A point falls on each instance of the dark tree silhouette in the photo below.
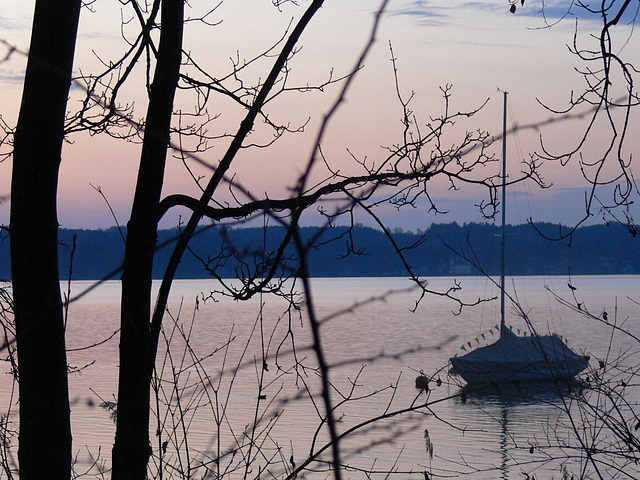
(131, 449)
(45, 431)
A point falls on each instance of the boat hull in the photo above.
(501, 372)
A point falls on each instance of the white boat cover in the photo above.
(513, 358)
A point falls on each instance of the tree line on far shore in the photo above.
(443, 249)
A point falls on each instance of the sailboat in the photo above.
(513, 358)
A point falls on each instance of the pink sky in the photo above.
(477, 47)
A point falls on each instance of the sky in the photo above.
(477, 47)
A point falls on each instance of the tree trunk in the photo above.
(45, 433)
(131, 449)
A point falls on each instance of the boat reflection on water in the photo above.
(510, 417)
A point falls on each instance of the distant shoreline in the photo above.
(439, 251)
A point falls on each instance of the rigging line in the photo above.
(488, 283)
(552, 307)
(526, 186)
(483, 283)
(515, 172)
(514, 197)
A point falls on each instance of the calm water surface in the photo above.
(373, 341)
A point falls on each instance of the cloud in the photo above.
(424, 12)
(443, 9)
(442, 13)
(548, 14)
(555, 11)
(16, 17)
(11, 79)
(10, 24)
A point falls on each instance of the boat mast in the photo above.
(503, 326)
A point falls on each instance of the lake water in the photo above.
(220, 411)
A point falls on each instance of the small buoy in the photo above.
(422, 382)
